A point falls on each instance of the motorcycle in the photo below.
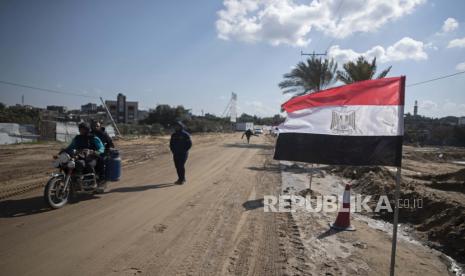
(71, 180)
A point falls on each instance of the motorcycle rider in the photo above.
(92, 147)
(180, 143)
(100, 132)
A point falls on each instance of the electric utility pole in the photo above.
(313, 54)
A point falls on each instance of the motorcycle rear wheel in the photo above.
(54, 193)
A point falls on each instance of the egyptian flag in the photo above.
(356, 124)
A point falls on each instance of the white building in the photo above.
(461, 121)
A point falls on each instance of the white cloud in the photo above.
(459, 43)
(404, 49)
(451, 108)
(428, 105)
(460, 66)
(430, 45)
(288, 22)
(449, 25)
(447, 107)
(260, 109)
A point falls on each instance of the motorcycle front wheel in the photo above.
(54, 194)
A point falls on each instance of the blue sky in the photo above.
(195, 53)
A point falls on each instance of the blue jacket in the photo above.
(86, 142)
(180, 142)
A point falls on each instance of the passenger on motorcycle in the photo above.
(100, 132)
(90, 148)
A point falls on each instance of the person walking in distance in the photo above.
(247, 134)
(180, 144)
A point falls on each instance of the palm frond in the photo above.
(360, 70)
(384, 73)
(312, 75)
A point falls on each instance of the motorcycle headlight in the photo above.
(71, 164)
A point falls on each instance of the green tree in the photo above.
(19, 115)
(360, 70)
(310, 76)
(166, 115)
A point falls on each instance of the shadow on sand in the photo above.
(249, 146)
(32, 205)
(328, 233)
(269, 168)
(253, 204)
(141, 188)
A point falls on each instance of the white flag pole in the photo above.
(395, 222)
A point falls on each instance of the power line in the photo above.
(47, 90)
(435, 79)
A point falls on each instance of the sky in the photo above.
(195, 53)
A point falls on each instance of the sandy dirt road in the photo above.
(145, 225)
(213, 225)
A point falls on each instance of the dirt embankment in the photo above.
(432, 195)
(25, 167)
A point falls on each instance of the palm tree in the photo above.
(310, 76)
(359, 71)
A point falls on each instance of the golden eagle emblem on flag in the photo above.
(343, 122)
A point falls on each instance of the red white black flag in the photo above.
(356, 124)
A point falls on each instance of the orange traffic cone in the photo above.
(343, 217)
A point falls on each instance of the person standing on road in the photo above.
(180, 143)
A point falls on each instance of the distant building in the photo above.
(26, 106)
(415, 109)
(461, 121)
(57, 108)
(142, 114)
(89, 108)
(94, 116)
(123, 111)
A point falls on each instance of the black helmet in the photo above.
(84, 125)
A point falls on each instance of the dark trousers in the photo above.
(179, 162)
(100, 167)
(86, 166)
(92, 165)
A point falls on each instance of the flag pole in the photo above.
(397, 191)
(310, 177)
(396, 221)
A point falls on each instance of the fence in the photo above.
(11, 133)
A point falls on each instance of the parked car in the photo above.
(258, 131)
